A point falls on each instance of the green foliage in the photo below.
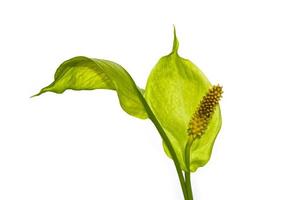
(82, 73)
(174, 89)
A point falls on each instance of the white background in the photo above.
(81, 145)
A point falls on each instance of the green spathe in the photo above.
(174, 89)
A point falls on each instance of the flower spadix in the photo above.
(174, 89)
(201, 118)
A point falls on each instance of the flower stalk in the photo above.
(188, 173)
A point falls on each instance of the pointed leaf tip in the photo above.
(37, 94)
(175, 42)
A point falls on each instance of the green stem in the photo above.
(188, 173)
(174, 157)
(188, 185)
(167, 143)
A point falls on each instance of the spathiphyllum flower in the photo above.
(178, 99)
(174, 90)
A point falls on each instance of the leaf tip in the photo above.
(175, 41)
(35, 95)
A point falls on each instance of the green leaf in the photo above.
(82, 73)
(174, 89)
